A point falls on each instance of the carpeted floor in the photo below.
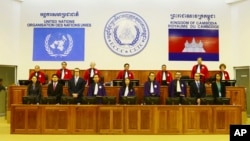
(6, 136)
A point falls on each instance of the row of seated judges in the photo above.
(96, 92)
(163, 76)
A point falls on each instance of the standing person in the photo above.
(201, 69)
(224, 74)
(151, 87)
(96, 88)
(76, 86)
(125, 73)
(218, 88)
(34, 89)
(197, 88)
(89, 73)
(39, 74)
(64, 73)
(163, 76)
(177, 88)
(55, 89)
(127, 88)
(1, 85)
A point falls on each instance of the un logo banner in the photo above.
(239, 132)
(58, 44)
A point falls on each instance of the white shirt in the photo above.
(126, 91)
(151, 87)
(178, 87)
(96, 89)
(164, 75)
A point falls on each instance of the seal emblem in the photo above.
(58, 44)
(126, 34)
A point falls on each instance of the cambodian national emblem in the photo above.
(58, 45)
(126, 34)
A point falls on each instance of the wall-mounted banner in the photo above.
(58, 44)
(126, 34)
(189, 44)
(192, 36)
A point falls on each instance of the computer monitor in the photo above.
(173, 101)
(150, 100)
(64, 82)
(129, 100)
(28, 100)
(190, 101)
(67, 100)
(222, 101)
(24, 82)
(49, 100)
(89, 100)
(109, 100)
(135, 82)
(188, 81)
(229, 82)
(207, 101)
(117, 82)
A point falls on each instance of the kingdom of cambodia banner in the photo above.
(58, 44)
(189, 44)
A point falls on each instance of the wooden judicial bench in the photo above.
(123, 119)
(236, 94)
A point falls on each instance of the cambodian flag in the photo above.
(189, 44)
(58, 44)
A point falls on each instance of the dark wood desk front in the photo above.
(237, 94)
(123, 119)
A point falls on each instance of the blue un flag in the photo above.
(58, 44)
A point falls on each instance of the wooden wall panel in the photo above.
(139, 119)
(223, 117)
(169, 120)
(110, 119)
(57, 119)
(26, 119)
(197, 120)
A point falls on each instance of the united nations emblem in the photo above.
(126, 34)
(58, 45)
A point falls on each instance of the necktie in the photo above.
(76, 79)
(62, 75)
(151, 88)
(91, 72)
(96, 89)
(178, 87)
(164, 75)
(126, 91)
(54, 86)
(198, 86)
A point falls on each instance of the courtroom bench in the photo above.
(123, 119)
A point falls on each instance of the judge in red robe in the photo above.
(126, 73)
(89, 73)
(223, 73)
(201, 69)
(164, 77)
(64, 73)
(39, 75)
